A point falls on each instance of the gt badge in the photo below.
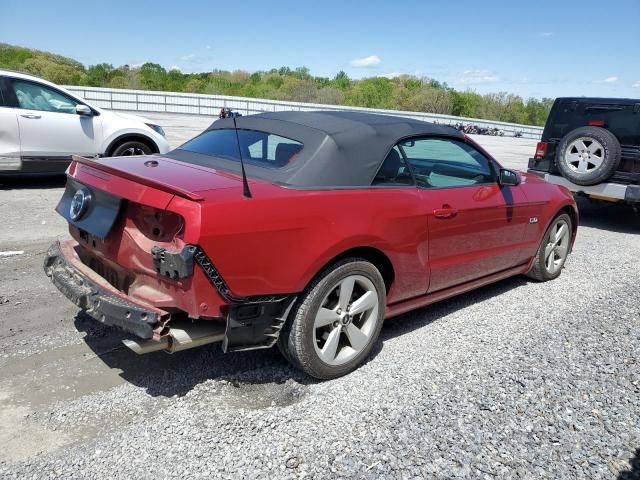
(533, 220)
(80, 203)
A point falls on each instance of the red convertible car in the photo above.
(301, 229)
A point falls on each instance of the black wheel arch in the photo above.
(128, 137)
(573, 215)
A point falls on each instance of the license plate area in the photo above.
(98, 210)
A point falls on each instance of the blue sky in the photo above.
(542, 48)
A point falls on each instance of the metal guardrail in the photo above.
(210, 105)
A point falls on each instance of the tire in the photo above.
(308, 336)
(588, 155)
(541, 269)
(131, 147)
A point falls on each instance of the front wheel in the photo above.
(336, 321)
(132, 147)
(553, 251)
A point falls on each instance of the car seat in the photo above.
(285, 153)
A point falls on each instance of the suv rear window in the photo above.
(260, 148)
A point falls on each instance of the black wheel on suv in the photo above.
(588, 155)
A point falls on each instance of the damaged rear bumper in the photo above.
(96, 296)
(251, 322)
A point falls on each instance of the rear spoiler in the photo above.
(94, 163)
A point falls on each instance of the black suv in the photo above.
(592, 147)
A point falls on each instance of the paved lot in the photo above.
(518, 379)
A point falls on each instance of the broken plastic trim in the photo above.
(173, 264)
(252, 326)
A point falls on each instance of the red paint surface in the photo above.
(439, 241)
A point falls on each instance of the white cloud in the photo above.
(636, 85)
(393, 74)
(610, 80)
(175, 67)
(545, 34)
(208, 47)
(474, 77)
(366, 62)
(188, 58)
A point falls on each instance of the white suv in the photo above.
(42, 125)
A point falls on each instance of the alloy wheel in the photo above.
(557, 248)
(584, 155)
(132, 151)
(346, 320)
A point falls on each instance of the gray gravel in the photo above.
(516, 380)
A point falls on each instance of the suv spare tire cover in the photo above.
(588, 155)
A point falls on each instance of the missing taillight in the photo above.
(158, 225)
(541, 150)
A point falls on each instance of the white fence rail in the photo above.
(198, 104)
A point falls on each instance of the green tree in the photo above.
(99, 75)
(372, 92)
(174, 81)
(342, 81)
(404, 92)
(465, 104)
(152, 76)
(195, 85)
(118, 82)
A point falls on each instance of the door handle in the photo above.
(30, 115)
(445, 212)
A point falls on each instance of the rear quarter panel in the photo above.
(277, 241)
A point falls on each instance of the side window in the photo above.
(33, 96)
(444, 162)
(394, 170)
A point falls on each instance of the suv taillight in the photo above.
(541, 150)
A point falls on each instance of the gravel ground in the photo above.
(516, 380)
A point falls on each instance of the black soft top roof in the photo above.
(341, 149)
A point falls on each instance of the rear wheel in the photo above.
(131, 147)
(336, 321)
(553, 251)
(588, 155)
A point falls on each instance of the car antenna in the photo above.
(245, 184)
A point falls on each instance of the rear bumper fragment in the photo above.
(252, 322)
(96, 296)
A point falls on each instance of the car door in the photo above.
(476, 227)
(9, 133)
(50, 129)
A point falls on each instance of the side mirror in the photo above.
(84, 110)
(509, 177)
